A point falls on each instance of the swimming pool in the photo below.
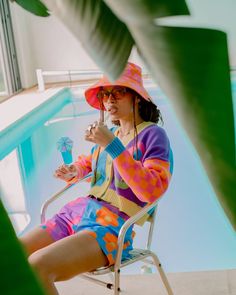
(192, 232)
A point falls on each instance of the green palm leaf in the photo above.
(142, 11)
(106, 39)
(34, 6)
(192, 67)
(16, 275)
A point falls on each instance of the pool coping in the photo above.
(18, 131)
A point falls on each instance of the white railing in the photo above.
(93, 74)
(83, 75)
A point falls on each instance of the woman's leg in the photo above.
(66, 258)
(36, 239)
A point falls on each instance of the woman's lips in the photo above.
(112, 110)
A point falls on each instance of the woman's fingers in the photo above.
(66, 177)
(63, 168)
(98, 133)
(61, 171)
(89, 138)
(94, 125)
(65, 172)
(91, 127)
(57, 174)
(72, 168)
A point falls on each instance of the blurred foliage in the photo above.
(190, 64)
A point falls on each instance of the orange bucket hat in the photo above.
(130, 78)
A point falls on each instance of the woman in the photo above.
(131, 166)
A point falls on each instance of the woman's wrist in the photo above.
(115, 148)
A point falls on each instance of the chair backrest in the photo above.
(151, 220)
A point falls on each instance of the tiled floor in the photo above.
(191, 283)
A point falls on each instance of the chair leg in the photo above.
(162, 274)
(117, 282)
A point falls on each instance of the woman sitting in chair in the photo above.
(131, 166)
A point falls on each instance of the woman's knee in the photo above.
(39, 262)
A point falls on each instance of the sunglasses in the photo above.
(116, 93)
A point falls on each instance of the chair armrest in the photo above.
(129, 222)
(70, 184)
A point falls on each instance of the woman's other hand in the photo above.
(99, 133)
(66, 172)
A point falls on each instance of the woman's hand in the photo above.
(99, 134)
(66, 172)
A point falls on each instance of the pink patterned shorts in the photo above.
(91, 216)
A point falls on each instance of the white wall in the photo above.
(23, 39)
(45, 42)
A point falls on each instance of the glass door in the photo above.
(9, 71)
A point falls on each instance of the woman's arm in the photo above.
(83, 165)
(150, 178)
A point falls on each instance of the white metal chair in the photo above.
(136, 254)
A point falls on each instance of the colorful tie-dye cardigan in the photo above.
(126, 179)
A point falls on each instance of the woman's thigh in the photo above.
(36, 239)
(69, 256)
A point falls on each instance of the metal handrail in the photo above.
(91, 73)
(70, 184)
(40, 74)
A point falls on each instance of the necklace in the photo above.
(124, 134)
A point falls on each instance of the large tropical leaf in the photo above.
(192, 67)
(16, 277)
(34, 6)
(142, 11)
(105, 38)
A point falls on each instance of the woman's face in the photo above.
(118, 102)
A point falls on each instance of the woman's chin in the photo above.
(114, 117)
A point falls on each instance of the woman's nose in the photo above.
(111, 98)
